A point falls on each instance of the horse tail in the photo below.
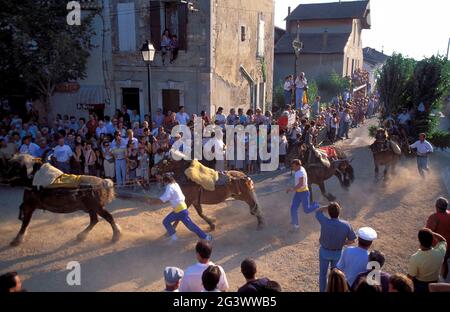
(255, 209)
(110, 192)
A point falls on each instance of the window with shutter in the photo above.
(261, 32)
(126, 26)
(155, 24)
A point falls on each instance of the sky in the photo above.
(417, 28)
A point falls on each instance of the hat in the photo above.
(172, 275)
(367, 233)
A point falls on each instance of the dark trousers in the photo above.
(421, 287)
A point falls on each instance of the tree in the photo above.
(395, 82)
(43, 50)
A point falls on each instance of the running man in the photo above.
(424, 148)
(301, 196)
(180, 212)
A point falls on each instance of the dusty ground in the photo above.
(396, 211)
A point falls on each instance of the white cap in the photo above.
(367, 233)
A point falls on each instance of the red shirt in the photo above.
(439, 222)
(92, 125)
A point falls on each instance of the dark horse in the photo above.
(90, 196)
(237, 186)
(319, 173)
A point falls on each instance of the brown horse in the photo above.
(387, 158)
(238, 186)
(319, 173)
(91, 197)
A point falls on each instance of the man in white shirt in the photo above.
(192, 280)
(424, 148)
(220, 118)
(131, 138)
(182, 117)
(119, 147)
(175, 196)
(403, 120)
(29, 147)
(302, 195)
(101, 129)
(300, 84)
(354, 260)
(62, 154)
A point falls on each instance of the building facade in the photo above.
(331, 36)
(225, 57)
(373, 63)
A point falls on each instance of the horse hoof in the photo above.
(212, 227)
(116, 237)
(16, 242)
(260, 227)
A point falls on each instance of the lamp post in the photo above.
(148, 55)
(298, 46)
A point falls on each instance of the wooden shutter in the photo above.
(127, 26)
(182, 25)
(155, 24)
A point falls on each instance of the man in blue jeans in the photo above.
(334, 235)
(180, 212)
(301, 196)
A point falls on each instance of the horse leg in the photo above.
(210, 221)
(377, 171)
(94, 220)
(27, 212)
(310, 192)
(249, 196)
(386, 173)
(102, 212)
(328, 196)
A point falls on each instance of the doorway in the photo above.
(171, 100)
(130, 98)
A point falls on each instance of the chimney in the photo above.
(289, 10)
(325, 38)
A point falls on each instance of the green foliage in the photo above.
(430, 82)
(278, 96)
(439, 139)
(313, 91)
(331, 85)
(395, 82)
(41, 46)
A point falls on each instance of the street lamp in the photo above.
(298, 46)
(148, 55)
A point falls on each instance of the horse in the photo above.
(91, 196)
(318, 173)
(385, 156)
(237, 186)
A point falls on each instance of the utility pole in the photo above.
(448, 47)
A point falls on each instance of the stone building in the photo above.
(225, 57)
(331, 37)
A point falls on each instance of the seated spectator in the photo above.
(174, 47)
(337, 282)
(354, 259)
(172, 278)
(253, 284)
(165, 45)
(271, 287)
(439, 222)
(192, 280)
(10, 282)
(365, 286)
(211, 278)
(400, 283)
(378, 257)
(425, 264)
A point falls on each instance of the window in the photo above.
(261, 33)
(168, 15)
(243, 34)
(127, 26)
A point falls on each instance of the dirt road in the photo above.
(396, 211)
